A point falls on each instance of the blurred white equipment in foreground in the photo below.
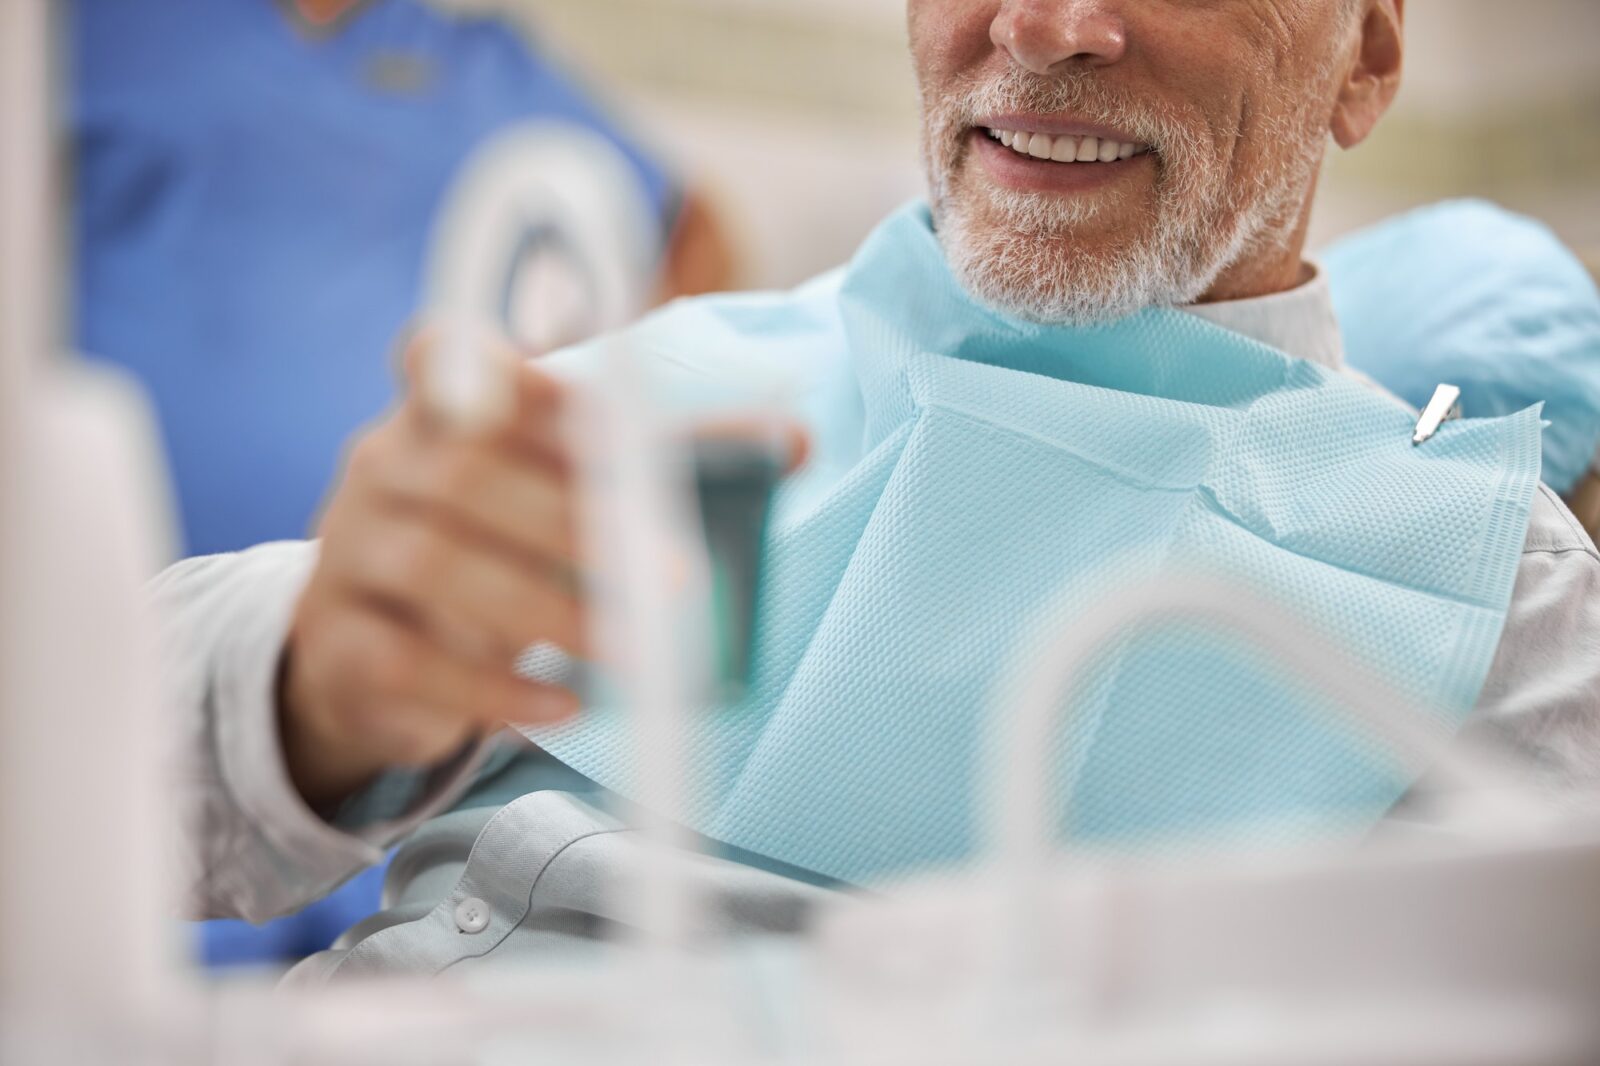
(83, 953)
(547, 221)
(1475, 947)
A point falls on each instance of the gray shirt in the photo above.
(252, 848)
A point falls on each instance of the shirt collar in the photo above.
(1299, 321)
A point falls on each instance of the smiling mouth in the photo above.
(1065, 149)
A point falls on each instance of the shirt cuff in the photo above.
(253, 633)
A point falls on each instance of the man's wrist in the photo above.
(317, 760)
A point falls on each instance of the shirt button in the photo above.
(472, 915)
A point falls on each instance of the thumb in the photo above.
(461, 373)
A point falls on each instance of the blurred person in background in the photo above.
(256, 185)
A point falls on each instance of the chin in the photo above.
(1064, 263)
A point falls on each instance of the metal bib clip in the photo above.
(1444, 407)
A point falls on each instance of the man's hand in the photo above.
(444, 554)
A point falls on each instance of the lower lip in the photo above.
(1027, 174)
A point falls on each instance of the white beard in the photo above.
(1015, 251)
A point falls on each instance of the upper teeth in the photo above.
(1065, 149)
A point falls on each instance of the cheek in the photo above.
(949, 38)
(1204, 72)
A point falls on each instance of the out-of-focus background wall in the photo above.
(801, 114)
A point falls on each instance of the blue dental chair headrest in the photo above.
(1467, 293)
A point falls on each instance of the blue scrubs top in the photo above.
(253, 205)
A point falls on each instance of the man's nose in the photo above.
(1040, 35)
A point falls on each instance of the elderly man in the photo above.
(1097, 350)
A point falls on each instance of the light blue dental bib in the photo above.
(977, 477)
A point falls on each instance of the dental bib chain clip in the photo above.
(1444, 407)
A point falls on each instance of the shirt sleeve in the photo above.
(248, 846)
(1542, 697)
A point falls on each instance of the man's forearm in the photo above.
(248, 845)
